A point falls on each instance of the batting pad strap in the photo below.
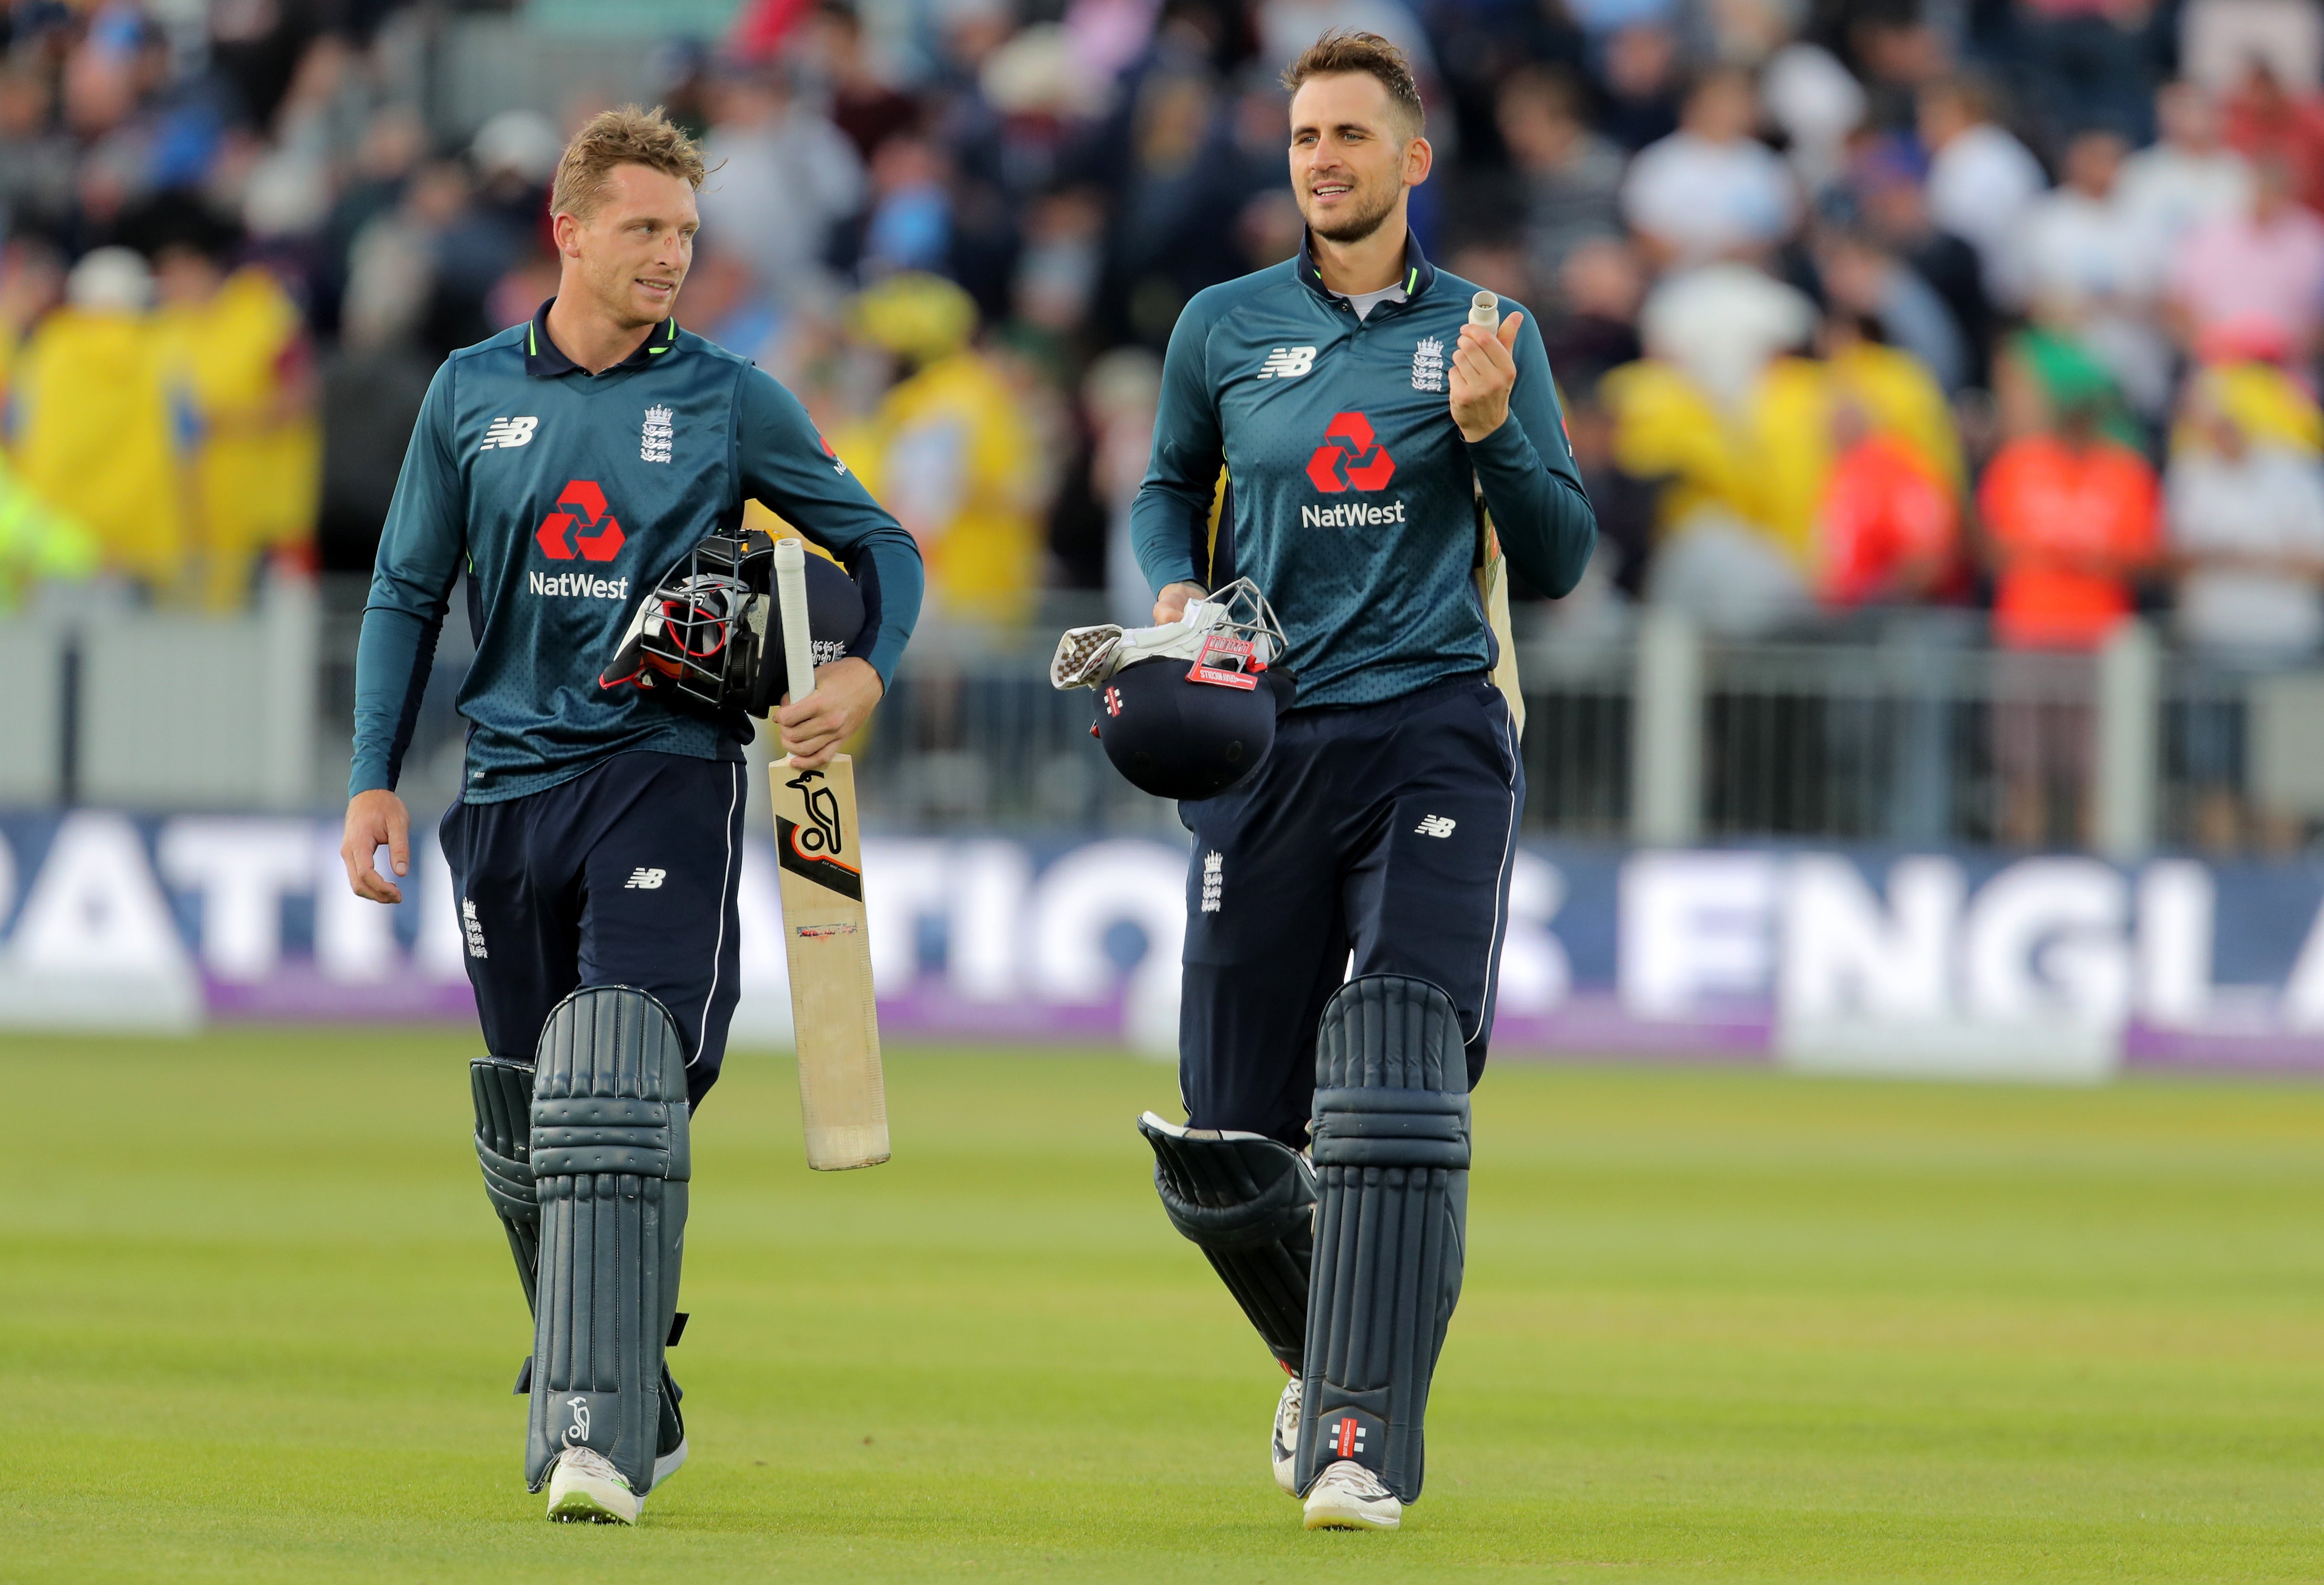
(1212, 1195)
(1283, 1211)
(1390, 1128)
(600, 1134)
(508, 1184)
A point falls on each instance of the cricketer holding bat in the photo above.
(567, 465)
(1365, 429)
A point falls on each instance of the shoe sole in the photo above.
(670, 1462)
(1349, 1519)
(582, 1504)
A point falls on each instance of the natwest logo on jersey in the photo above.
(581, 506)
(1348, 460)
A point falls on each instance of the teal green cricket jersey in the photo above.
(1350, 500)
(568, 496)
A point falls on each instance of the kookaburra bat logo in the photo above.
(822, 805)
(815, 848)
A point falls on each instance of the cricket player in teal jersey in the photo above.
(1346, 898)
(569, 466)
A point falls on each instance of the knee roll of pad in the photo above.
(1249, 1204)
(610, 1162)
(1391, 1130)
(503, 1091)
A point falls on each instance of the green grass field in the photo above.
(257, 1324)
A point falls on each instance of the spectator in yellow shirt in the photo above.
(236, 355)
(1724, 411)
(91, 427)
(950, 451)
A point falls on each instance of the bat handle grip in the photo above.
(1485, 309)
(790, 600)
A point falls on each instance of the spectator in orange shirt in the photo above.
(1887, 534)
(1888, 527)
(2070, 519)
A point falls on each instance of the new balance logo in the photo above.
(1435, 826)
(503, 434)
(645, 880)
(1287, 362)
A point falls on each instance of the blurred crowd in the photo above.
(2009, 306)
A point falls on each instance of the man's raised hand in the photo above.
(1484, 373)
(1170, 604)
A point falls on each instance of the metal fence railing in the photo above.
(1904, 731)
(972, 734)
(1577, 741)
(1909, 731)
(1921, 738)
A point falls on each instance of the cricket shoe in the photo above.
(1284, 1445)
(1348, 1496)
(584, 1489)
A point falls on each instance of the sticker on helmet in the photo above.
(1218, 647)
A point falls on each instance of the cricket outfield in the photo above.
(256, 1323)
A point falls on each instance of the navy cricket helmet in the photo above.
(1187, 709)
(1177, 735)
(835, 620)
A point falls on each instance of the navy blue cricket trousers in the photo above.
(1382, 831)
(625, 875)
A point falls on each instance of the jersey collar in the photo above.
(543, 361)
(1417, 270)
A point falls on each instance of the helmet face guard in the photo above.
(707, 640)
(1230, 638)
(697, 639)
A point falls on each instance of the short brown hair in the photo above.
(1343, 51)
(627, 136)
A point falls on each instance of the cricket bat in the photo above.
(1493, 572)
(842, 1100)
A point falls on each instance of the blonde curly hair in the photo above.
(629, 135)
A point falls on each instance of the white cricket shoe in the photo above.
(1348, 1496)
(1284, 1445)
(585, 1489)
